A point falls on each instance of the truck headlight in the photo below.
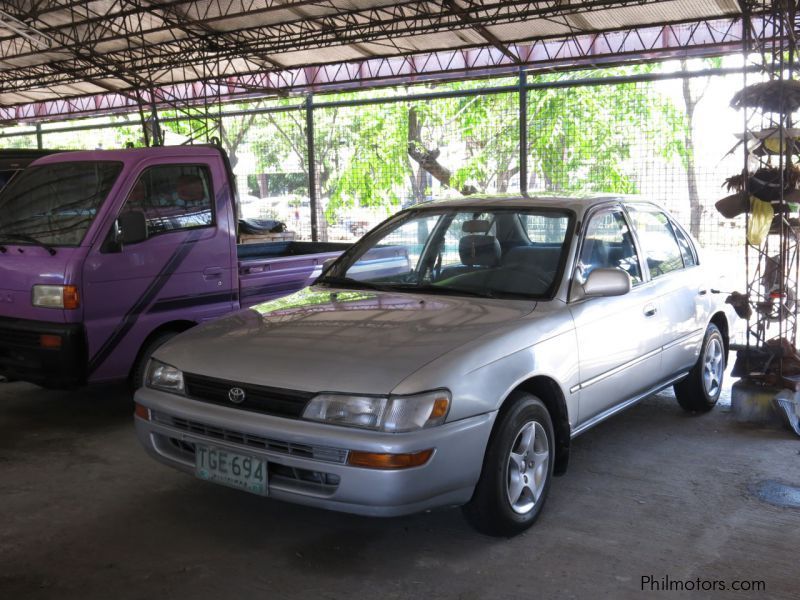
(162, 376)
(55, 296)
(394, 414)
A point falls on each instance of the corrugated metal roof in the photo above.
(68, 48)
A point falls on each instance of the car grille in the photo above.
(266, 400)
(323, 453)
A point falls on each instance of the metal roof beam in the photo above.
(404, 18)
(704, 38)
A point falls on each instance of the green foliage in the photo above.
(582, 138)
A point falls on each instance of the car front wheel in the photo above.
(700, 390)
(517, 470)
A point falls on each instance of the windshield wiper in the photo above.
(440, 289)
(21, 237)
(354, 283)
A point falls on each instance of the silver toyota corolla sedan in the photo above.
(447, 358)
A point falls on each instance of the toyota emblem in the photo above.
(236, 395)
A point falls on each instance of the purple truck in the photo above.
(105, 255)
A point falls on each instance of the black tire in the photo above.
(490, 510)
(700, 390)
(136, 379)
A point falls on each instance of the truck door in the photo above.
(182, 272)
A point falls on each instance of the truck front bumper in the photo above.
(307, 462)
(49, 354)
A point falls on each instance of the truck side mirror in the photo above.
(132, 226)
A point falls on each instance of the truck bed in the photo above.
(275, 269)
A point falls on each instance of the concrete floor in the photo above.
(86, 514)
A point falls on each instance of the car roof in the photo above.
(574, 202)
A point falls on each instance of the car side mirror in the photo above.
(132, 227)
(607, 282)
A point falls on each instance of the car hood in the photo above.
(321, 339)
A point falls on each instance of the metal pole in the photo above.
(312, 167)
(39, 143)
(523, 134)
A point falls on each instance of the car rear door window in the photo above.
(658, 240)
(687, 250)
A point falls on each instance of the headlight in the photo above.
(394, 414)
(162, 376)
(55, 296)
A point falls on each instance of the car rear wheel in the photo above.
(700, 390)
(517, 470)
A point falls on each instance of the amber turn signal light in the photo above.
(142, 412)
(71, 298)
(51, 342)
(373, 460)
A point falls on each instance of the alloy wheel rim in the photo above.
(528, 465)
(713, 367)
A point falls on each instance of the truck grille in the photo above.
(262, 399)
(324, 453)
(17, 338)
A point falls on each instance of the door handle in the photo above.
(212, 272)
(649, 310)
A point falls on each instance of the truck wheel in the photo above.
(517, 470)
(138, 372)
(700, 390)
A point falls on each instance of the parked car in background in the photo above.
(517, 324)
(104, 255)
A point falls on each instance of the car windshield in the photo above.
(54, 204)
(475, 252)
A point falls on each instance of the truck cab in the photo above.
(105, 254)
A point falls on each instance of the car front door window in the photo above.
(608, 244)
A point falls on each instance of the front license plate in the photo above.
(230, 468)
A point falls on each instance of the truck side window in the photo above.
(608, 244)
(173, 197)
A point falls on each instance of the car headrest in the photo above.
(190, 188)
(476, 226)
(479, 250)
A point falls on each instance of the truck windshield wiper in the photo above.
(354, 283)
(21, 237)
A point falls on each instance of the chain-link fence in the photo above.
(333, 166)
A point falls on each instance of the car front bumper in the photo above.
(307, 461)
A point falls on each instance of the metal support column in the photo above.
(39, 143)
(312, 167)
(523, 133)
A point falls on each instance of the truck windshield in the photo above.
(493, 253)
(54, 204)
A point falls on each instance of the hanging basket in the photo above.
(733, 205)
(765, 183)
(781, 96)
